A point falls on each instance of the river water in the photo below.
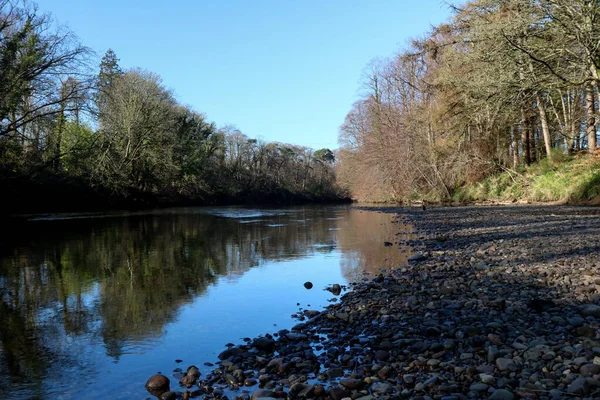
(91, 305)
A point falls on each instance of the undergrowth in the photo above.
(567, 179)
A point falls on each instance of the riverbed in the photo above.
(93, 304)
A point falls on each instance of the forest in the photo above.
(498, 86)
(78, 135)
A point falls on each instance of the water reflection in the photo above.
(362, 235)
(76, 292)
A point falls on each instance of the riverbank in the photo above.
(502, 303)
(56, 193)
(565, 179)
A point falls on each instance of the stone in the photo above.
(506, 364)
(338, 393)
(502, 394)
(383, 388)
(168, 396)
(157, 383)
(431, 381)
(188, 380)
(482, 266)
(352, 384)
(294, 336)
(308, 285)
(585, 331)
(418, 258)
(264, 344)
(479, 387)
(334, 373)
(336, 289)
(192, 370)
(487, 379)
(297, 388)
(576, 321)
(591, 310)
(382, 355)
(262, 393)
(578, 387)
(589, 369)
(230, 379)
(492, 354)
(233, 351)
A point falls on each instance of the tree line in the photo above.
(498, 86)
(72, 131)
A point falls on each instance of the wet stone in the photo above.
(263, 344)
(168, 396)
(233, 351)
(352, 384)
(338, 393)
(158, 382)
(262, 394)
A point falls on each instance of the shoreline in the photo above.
(501, 304)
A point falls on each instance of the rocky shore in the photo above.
(498, 302)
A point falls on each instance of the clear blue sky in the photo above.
(280, 70)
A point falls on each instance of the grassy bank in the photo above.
(572, 179)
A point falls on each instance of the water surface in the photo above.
(93, 304)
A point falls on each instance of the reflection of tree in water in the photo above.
(362, 241)
(124, 279)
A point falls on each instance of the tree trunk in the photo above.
(60, 124)
(590, 121)
(525, 138)
(544, 122)
(570, 141)
(515, 147)
(533, 144)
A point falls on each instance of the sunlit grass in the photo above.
(563, 179)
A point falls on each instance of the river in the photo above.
(93, 304)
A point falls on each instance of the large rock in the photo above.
(158, 383)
